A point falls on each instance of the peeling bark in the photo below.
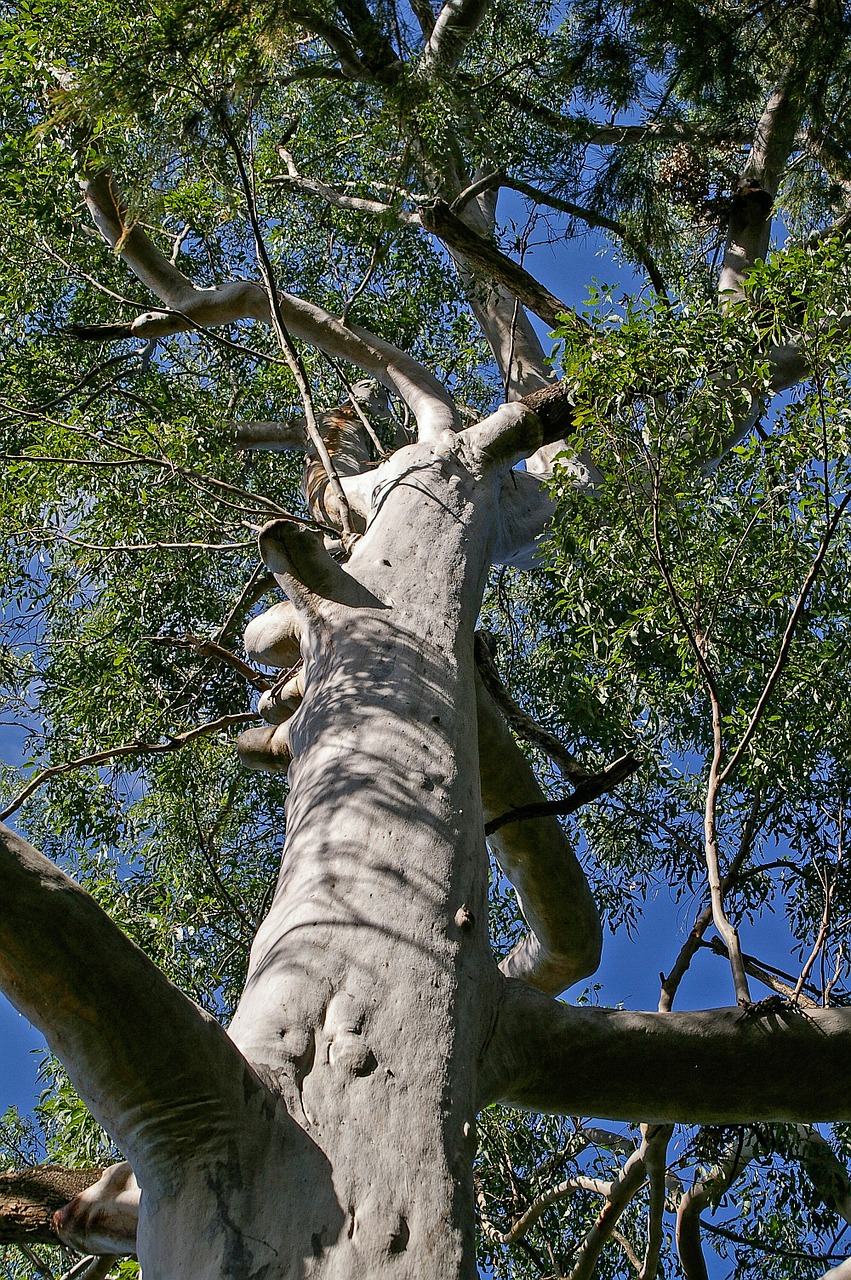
(30, 1197)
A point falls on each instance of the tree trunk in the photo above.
(371, 989)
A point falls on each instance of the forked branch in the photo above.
(189, 307)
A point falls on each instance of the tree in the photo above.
(682, 624)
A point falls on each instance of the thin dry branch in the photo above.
(291, 355)
(126, 749)
(592, 218)
(766, 976)
(521, 723)
(591, 789)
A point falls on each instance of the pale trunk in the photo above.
(371, 989)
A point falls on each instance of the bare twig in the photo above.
(590, 789)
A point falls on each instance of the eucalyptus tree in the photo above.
(301, 260)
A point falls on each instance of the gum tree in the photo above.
(302, 206)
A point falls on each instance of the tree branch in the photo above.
(628, 1183)
(691, 1067)
(591, 789)
(192, 308)
(454, 28)
(133, 748)
(639, 250)
(490, 262)
(30, 1197)
(156, 1071)
(565, 939)
(670, 984)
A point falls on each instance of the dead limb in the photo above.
(485, 259)
(766, 976)
(211, 649)
(590, 789)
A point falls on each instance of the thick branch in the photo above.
(30, 1197)
(691, 1067)
(749, 230)
(454, 27)
(155, 1070)
(565, 940)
